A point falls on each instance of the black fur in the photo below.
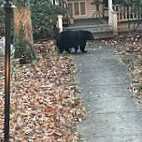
(73, 39)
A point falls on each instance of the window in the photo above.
(82, 8)
(70, 8)
(77, 7)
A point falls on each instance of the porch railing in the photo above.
(128, 13)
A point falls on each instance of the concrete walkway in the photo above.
(112, 114)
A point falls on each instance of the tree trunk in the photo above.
(23, 30)
(22, 19)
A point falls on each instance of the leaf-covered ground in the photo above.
(45, 102)
(129, 46)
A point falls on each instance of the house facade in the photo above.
(115, 14)
(83, 9)
(87, 9)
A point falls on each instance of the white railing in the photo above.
(128, 13)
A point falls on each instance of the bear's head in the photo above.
(88, 35)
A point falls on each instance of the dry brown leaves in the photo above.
(129, 45)
(45, 102)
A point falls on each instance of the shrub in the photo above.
(127, 2)
(44, 17)
(1, 19)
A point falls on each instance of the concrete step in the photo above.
(101, 31)
(104, 35)
(92, 28)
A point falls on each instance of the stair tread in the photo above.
(104, 37)
(87, 26)
(102, 31)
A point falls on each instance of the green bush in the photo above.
(127, 2)
(44, 17)
(1, 19)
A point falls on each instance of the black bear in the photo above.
(73, 39)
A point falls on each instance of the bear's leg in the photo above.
(68, 50)
(82, 46)
(76, 48)
(61, 50)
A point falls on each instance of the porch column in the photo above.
(112, 21)
(110, 12)
(60, 23)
